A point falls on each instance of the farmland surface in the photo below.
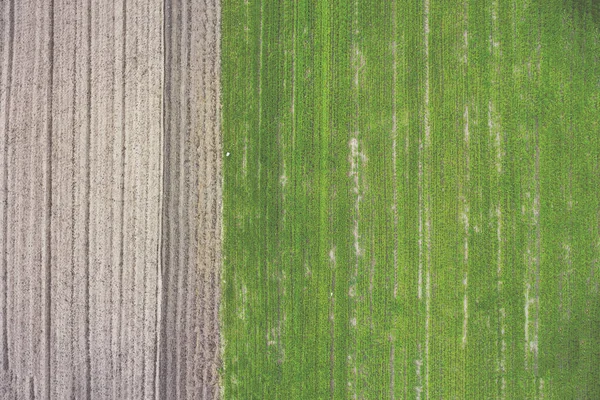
(109, 199)
(411, 199)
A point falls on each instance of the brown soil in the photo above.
(110, 199)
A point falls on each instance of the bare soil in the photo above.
(110, 199)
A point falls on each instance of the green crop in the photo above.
(411, 200)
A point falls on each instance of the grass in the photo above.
(411, 213)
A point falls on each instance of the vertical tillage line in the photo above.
(200, 134)
(354, 173)
(262, 270)
(288, 260)
(86, 222)
(161, 201)
(116, 212)
(5, 135)
(122, 185)
(13, 281)
(465, 196)
(425, 200)
(536, 204)
(395, 149)
(324, 179)
(153, 80)
(392, 337)
(183, 47)
(162, 360)
(419, 360)
(47, 255)
(133, 178)
(218, 202)
(24, 196)
(495, 136)
(197, 369)
(138, 384)
(463, 201)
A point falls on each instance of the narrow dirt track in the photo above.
(110, 199)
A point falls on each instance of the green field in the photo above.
(411, 199)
